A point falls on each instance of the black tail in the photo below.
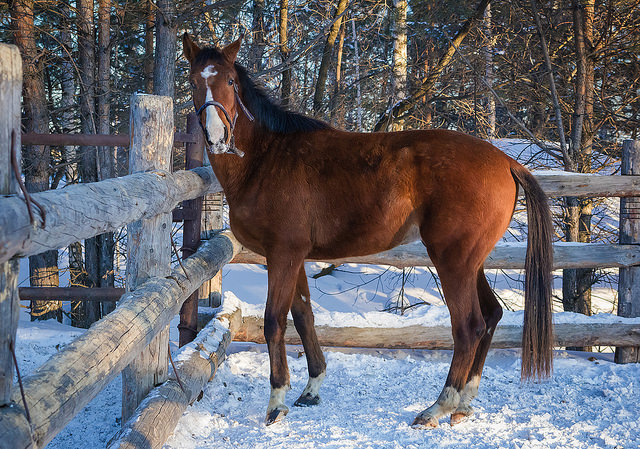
(537, 333)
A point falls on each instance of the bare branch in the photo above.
(403, 106)
(516, 120)
(568, 162)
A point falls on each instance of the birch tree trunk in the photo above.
(43, 268)
(357, 64)
(285, 88)
(76, 265)
(425, 89)
(489, 76)
(399, 64)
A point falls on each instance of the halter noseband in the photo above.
(232, 123)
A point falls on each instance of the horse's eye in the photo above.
(231, 82)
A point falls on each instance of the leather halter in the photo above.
(232, 123)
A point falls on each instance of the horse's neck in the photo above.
(230, 171)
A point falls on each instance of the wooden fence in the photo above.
(131, 338)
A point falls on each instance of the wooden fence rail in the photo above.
(196, 364)
(81, 211)
(439, 337)
(506, 256)
(61, 387)
(102, 140)
(70, 293)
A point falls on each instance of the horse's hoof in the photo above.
(307, 400)
(425, 422)
(276, 415)
(458, 417)
(461, 414)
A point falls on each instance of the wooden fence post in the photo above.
(188, 327)
(10, 92)
(629, 279)
(210, 293)
(148, 241)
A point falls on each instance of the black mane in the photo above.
(270, 115)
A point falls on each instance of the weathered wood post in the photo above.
(191, 233)
(10, 92)
(149, 241)
(629, 279)
(210, 293)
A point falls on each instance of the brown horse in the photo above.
(299, 189)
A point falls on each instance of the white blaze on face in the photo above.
(213, 123)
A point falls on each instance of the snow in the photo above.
(370, 399)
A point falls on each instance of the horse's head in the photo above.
(214, 84)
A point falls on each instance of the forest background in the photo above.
(564, 76)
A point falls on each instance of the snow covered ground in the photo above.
(370, 397)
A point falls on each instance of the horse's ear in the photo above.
(189, 48)
(230, 52)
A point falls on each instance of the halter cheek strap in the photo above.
(232, 123)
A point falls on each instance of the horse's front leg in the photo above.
(283, 272)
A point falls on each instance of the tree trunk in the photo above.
(357, 64)
(43, 268)
(76, 265)
(106, 155)
(285, 88)
(165, 60)
(326, 56)
(488, 60)
(337, 118)
(576, 284)
(399, 67)
(148, 48)
(87, 312)
(257, 47)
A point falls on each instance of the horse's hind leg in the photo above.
(303, 320)
(459, 287)
(491, 312)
